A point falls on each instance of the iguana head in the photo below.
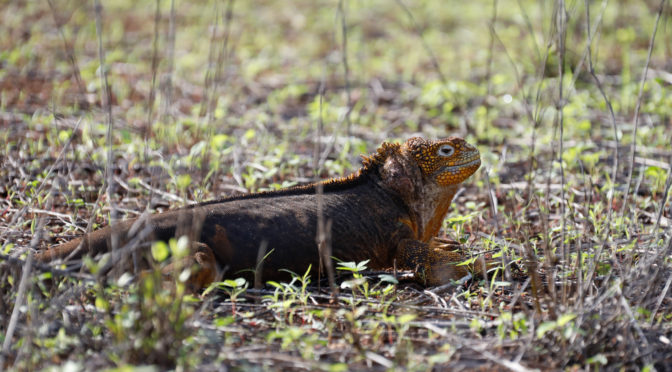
(446, 161)
(425, 174)
(419, 163)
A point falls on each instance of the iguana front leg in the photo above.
(203, 264)
(436, 261)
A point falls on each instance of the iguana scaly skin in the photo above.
(389, 212)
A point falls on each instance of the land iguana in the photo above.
(389, 212)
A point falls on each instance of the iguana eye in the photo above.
(446, 150)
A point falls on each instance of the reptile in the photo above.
(389, 212)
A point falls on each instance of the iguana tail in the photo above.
(94, 243)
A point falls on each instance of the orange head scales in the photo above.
(447, 161)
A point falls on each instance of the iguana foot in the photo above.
(447, 244)
(203, 264)
(435, 263)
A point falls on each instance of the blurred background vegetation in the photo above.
(214, 77)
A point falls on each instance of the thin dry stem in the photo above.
(167, 82)
(635, 118)
(561, 22)
(222, 61)
(428, 49)
(598, 83)
(70, 54)
(109, 174)
(346, 67)
(209, 75)
(323, 226)
(155, 66)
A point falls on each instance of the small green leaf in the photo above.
(361, 266)
(347, 266)
(599, 359)
(223, 321)
(134, 181)
(649, 368)
(584, 126)
(564, 319)
(183, 181)
(249, 134)
(387, 278)
(63, 135)
(339, 367)
(160, 251)
(467, 262)
(352, 283)
(124, 279)
(92, 265)
(234, 283)
(405, 318)
(545, 327)
(180, 249)
(275, 284)
(184, 275)
(218, 141)
(101, 304)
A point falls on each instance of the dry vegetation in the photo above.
(170, 103)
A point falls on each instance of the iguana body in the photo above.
(388, 212)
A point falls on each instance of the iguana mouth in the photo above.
(456, 168)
